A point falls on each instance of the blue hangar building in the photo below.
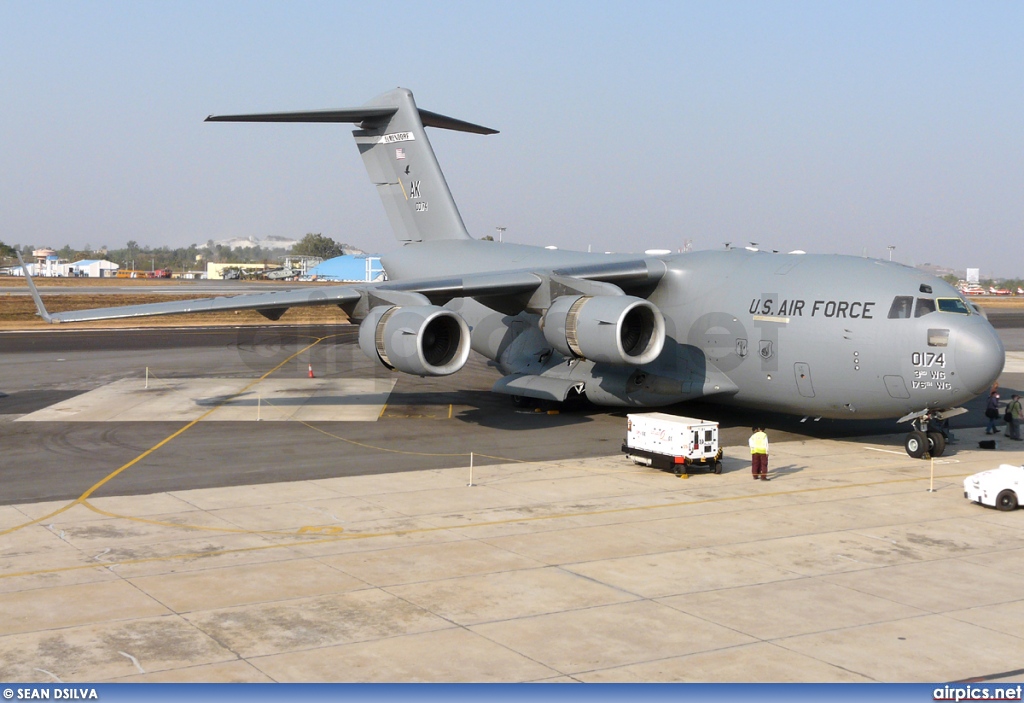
(348, 268)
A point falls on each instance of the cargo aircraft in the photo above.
(810, 335)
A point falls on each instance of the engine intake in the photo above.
(424, 341)
(614, 329)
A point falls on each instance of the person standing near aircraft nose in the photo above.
(759, 454)
(992, 411)
(1013, 411)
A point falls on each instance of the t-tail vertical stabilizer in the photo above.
(399, 159)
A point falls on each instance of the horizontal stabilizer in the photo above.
(432, 119)
(355, 115)
(352, 114)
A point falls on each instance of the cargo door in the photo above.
(803, 379)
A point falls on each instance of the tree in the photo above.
(317, 245)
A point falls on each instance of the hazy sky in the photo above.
(825, 126)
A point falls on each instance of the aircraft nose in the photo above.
(980, 356)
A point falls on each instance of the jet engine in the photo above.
(615, 329)
(424, 340)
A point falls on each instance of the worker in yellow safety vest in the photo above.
(759, 454)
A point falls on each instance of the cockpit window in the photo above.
(924, 306)
(953, 305)
(901, 306)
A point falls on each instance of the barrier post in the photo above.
(931, 480)
(470, 470)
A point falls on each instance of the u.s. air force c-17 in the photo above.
(812, 335)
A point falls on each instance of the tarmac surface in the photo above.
(136, 548)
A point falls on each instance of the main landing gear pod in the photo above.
(614, 329)
(425, 341)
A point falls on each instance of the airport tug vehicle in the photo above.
(672, 443)
(1001, 488)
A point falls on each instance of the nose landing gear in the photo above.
(919, 443)
(929, 432)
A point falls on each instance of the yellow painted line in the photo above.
(383, 408)
(117, 472)
(488, 523)
(449, 411)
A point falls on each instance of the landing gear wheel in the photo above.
(521, 401)
(936, 443)
(916, 444)
(1006, 500)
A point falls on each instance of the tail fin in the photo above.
(399, 159)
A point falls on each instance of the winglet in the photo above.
(40, 308)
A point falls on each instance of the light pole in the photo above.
(501, 231)
(890, 248)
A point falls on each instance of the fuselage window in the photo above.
(938, 338)
(924, 306)
(953, 305)
(901, 306)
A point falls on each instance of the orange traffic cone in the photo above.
(311, 371)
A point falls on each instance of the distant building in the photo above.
(51, 266)
(348, 268)
(92, 268)
(47, 263)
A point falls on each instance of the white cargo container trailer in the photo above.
(672, 443)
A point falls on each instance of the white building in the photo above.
(92, 268)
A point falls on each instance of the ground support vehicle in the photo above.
(1001, 488)
(672, 443)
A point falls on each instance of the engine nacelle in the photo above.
(614, 329)
(425, 340)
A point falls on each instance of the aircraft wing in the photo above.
(512, 288)
(272, 305)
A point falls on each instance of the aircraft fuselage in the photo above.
(820, 335)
